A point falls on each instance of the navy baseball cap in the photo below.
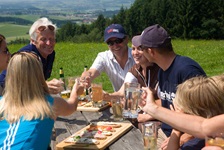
(136, 40)
(155, 36)
(114, 30)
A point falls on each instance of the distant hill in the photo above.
(67, 5)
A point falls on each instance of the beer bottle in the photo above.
(62, 77)
(86, 93)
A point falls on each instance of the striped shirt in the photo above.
(26, 135)
(106, 62)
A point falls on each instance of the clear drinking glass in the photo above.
(217, 140)
(150, 134)
(117, 109)
(132, 95)
(97, 94)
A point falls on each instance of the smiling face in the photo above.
(4, 55)
(118, 47)
(45, 42)
(138, 56)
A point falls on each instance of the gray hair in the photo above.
(40, 22)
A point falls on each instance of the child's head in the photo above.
(201, 96)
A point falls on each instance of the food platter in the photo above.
(88, 106)
(95, 136)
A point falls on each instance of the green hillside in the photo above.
(13, 31)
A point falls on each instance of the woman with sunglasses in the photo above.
(27, 111)
(4, 59)
(42, 41)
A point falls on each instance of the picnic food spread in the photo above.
(96, 135)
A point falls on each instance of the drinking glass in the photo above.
(217, 140)
(70, 82)
(132, 95)
(97, 94)
(66, 94)
(117, 109)
(150, 135)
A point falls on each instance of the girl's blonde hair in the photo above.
(201, 96)
(25, 90)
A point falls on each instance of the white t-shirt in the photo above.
(106, 62)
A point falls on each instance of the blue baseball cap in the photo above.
(114, 30)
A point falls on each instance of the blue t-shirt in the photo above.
(181, 69)
(26, 135)
(47, 63)
(193, 144)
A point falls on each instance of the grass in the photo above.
(10, 30)
(73, 57)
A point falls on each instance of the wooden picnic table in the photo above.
(66, 126)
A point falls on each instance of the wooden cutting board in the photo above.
(93, 109)
(125, 127)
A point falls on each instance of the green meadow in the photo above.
(73, 57)
(13, 31)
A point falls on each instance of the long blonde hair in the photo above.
(201, 96)
(25, 90)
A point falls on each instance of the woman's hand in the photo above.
(55, 86)
(78, 87)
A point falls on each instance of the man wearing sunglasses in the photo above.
(42, 42)
(116, 61)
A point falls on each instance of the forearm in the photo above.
(183, 122)
(174, 140)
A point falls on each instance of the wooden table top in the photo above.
(66, 126)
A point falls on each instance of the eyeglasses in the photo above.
(6, 51)
(1, 38)
(32, 53)
(117, 41)
(42, 28)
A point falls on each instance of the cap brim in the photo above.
(116, 35)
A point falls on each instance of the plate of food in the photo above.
(96, 135)
(88, 106)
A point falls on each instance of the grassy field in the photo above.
(73, 57)
(10, 30)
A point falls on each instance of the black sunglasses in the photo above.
(5, 52)
(117, 41)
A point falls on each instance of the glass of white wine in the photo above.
(150, 135)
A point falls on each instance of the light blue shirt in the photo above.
(26, 135)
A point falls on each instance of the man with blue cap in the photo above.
(116, 61)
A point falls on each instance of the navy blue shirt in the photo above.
(47, 63)
(193, 144)
(181, 69)
(2, 79)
